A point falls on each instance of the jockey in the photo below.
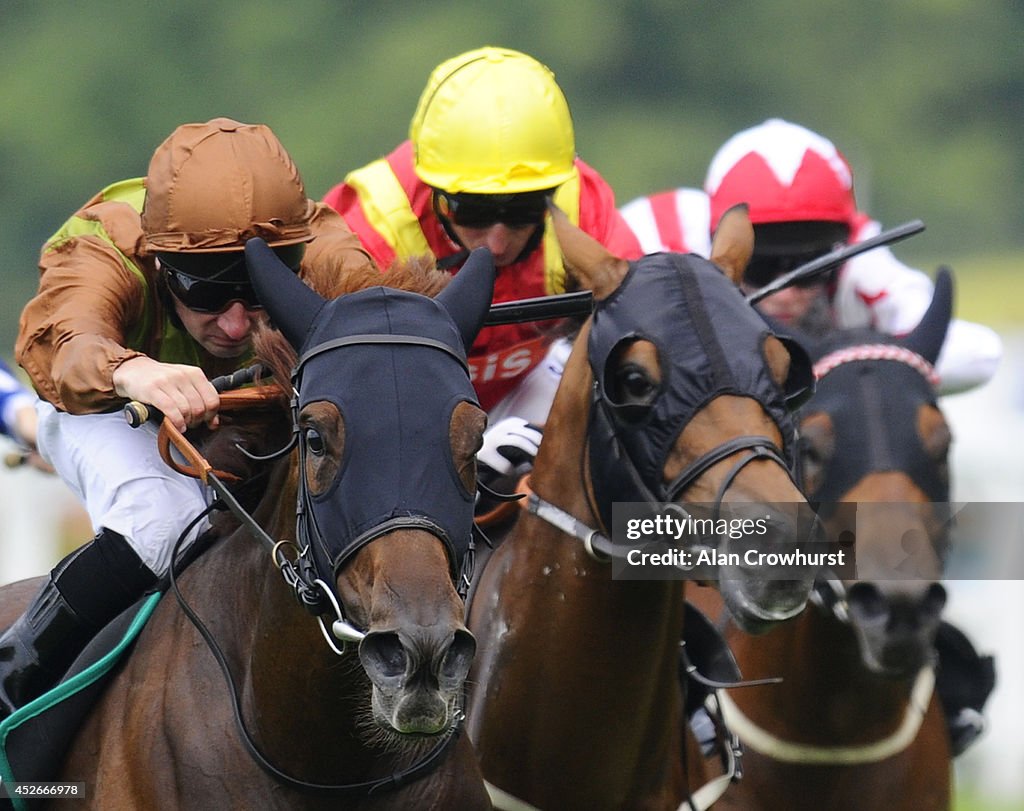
(799, 190)
(144, 295)
(490, 142)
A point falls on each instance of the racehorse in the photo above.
(675, 388)
(379, 496)
(855, 722)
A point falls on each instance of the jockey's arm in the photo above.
(73, 332)
(877, 290)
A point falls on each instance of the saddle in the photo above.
(35, 738)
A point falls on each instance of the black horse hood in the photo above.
(402, 359)
(709, 341)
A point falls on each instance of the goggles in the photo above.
(763, 269)
(484, 210)
(210, 283)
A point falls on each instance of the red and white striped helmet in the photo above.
(784, 173)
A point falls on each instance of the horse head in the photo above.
(874, 437)
(387, 428)
(691, 394)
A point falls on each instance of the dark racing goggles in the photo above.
(484, 210)
(764, 270)
(212, 282)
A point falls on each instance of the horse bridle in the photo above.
(301, 576)
(597, 541)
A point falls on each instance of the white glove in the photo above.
(509, 443)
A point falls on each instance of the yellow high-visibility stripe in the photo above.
(388, 210)
(567, 198)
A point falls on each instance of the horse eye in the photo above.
(634, 384)
(314, 442)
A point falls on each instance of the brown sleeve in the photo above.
(334, 253)
(72, 333)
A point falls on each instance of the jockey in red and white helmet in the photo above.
(799, 190)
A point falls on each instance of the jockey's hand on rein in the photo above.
(180, 392)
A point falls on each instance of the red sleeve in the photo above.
(600, 218)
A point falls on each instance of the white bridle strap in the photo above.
(503, 801)
(764, 742)
(700, 800)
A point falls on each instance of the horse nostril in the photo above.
(458, 657)
(867, 602)
(384, 654)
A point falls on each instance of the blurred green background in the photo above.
(925, 97)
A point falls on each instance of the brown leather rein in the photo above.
(196, 465)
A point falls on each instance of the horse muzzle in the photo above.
(417, 678)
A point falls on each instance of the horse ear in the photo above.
(927, 337)
(733, 242)
(586, 259)
(292, 306)
(468, 296)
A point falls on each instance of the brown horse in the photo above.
(855, 722)
(575, 697)
(380, 493)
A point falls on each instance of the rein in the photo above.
(309, 592)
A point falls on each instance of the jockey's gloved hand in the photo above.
(508, 445)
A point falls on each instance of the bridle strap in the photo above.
(600, 547)
(762, 446)
(357, 340)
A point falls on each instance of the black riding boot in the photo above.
(86, 590)
(964, 681)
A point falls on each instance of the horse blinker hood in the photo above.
(394, 364)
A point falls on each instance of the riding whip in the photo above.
(836, 257)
